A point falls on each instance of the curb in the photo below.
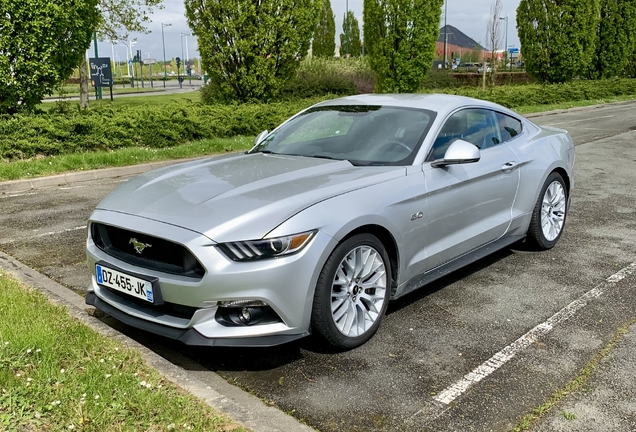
(222, 396)
(577, 109)
(16, 186)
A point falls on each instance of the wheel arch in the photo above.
(389, 243)
(566, 178)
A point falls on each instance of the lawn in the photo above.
(45, 166)
(58, 374)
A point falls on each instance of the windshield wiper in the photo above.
(263, 151)
(325, 157)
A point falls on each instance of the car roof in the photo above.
(440, 103)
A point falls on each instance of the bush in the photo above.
(107, 128)
(537, 94)
(317, 77)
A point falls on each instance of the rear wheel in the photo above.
(550, 211)
(352, 292)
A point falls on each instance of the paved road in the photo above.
(433, 338)
(172, 87)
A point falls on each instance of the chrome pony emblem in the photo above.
(139, 246)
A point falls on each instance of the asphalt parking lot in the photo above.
(412, 374)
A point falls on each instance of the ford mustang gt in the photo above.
(344, 207)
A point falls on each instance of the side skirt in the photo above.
(457, 263)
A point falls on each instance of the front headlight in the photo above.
(266, 248)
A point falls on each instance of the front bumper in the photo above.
(188, 336)
(285, 284)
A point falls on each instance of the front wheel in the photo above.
(550, 211)
(352, 292)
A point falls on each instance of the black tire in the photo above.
(536, 237)
(322, 319)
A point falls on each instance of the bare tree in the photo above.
(493, 37)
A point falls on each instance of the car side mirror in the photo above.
(260, 137)
(459, 152)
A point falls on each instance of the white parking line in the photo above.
(18, 195)
(59, 232)
(451, 393)
(71, 187)
(50, 233)
(580, 120)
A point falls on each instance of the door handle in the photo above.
(509, 167)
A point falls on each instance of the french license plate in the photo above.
(125, 283)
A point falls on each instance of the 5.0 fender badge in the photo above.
(139, 246)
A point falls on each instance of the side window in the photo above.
(482, 128)
(510, 127)
(477, 126)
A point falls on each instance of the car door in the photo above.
(468, 205)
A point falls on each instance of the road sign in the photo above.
(130, 62)
(513, 50)
(101, 74)
(150, 61)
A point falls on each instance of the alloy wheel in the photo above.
(358, 291)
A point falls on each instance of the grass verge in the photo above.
(576, 384)
(157, 98)
(58, 374)
(45, 166)
(528, 109)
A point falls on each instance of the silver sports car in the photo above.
(342, 208)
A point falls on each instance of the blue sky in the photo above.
(471, 17)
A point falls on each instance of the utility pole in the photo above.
(163, 43)
(506, 53)
(98, 90)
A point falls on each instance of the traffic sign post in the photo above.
(178, 62)
(101, 74)
(132, 79)
(513, 53)
(150, 62)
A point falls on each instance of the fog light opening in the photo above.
(245, 316)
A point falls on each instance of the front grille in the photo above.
(158, 254)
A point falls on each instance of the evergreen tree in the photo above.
(41, 43)
(401, 43)
(251, 49)
(373, 25)
(616, 38)
(355, 44)
(558, 39)
(324, 42)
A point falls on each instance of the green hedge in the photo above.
(537, 94)
(103, 128)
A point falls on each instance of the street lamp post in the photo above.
(187, 58)
(506, 19)
(131, 67)
(445, 32)
(163, 43)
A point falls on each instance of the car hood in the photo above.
(240, 196)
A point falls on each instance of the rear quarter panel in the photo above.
(541, 150)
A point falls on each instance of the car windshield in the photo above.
(361, 134)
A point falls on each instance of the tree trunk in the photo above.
(83, 84)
